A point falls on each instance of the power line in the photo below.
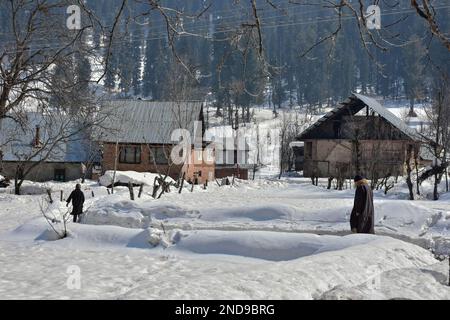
(205, 28)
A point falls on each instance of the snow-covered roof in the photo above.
(358, 102)
(296, 144)
(389, 116)
(17, 140)
(141, 121)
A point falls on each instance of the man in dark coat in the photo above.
(362, 217)
(77, 198)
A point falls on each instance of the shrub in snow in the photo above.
(57, 218)
(158, 237)
(154, 236)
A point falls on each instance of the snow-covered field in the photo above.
(262, 239)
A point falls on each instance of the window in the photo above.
(130, 154)
(199, 155)
(60, 175)
(209, 155)
(308, 150)
(228, 157)
(159, 155)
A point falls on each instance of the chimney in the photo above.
(37, 137)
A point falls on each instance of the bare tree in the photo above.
(45, 136)
(40, 79)
(438, 133)
(290, 127)
(37, 39)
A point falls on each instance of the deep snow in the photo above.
(255, 240)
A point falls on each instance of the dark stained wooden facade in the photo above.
(358, 137)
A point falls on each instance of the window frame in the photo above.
(59, 173)
(137, 157)
(153, 156)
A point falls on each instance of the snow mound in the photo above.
(134, 177)
(34, 189)
(273, 246)
(412, 219)
(133, 214)
(257, 213)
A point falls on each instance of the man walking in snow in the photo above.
(77, 198)
(362, 217)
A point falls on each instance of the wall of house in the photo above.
(337, 158)
(199, 169)
(44, 171)
(223, 172)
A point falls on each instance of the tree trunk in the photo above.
(417, 175)
(435, 189)
(446, 179)
(115, 167)
(408, 173)
(17, 186)
(330, 180)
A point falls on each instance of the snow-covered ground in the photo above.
(262, 239)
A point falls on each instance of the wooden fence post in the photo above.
(62, 195)
(50, 195)
(141, 189)
(130, 187)
(182, 182)
(155, 188)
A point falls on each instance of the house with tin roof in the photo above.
(47, 147)
(141, 136)
(359, 136)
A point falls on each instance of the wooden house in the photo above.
(138, 137)
(360, 136)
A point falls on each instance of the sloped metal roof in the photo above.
(16, 140)
(141, 121)
(389, 116)
(373, 104)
